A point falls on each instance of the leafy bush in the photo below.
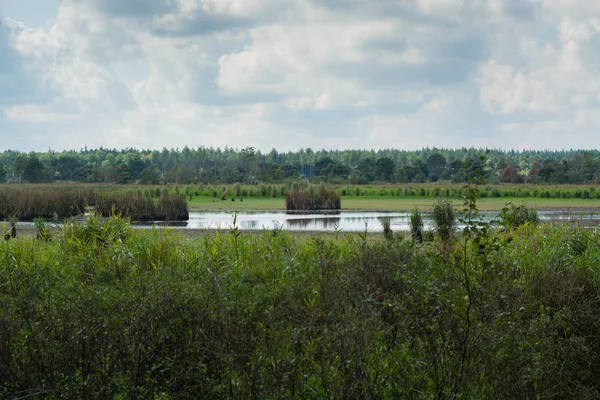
(515, 216)
(416, 225)
(443, 218)
(41, 230)
(107, 311)
(386, 223)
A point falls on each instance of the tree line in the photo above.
(251, 166)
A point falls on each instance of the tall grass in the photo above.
(138, 207)
(314, 197)
(106, 311)
(443, 218)
(29, 202)
(430, 190)
(415, 222)
(515, 216)
(386, 223)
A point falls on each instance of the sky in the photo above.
(291, 74)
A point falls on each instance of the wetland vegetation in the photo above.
(312, 198)
(103, 310)
(471, 309)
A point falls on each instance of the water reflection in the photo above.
(350, 221)
(344, 220)
(171, 224)
(323, 223)
(249, 225)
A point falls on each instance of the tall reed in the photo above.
(29, 202)
(312, 198)
(443, 218)
(415, 222)
(168, 207)
(386, 224)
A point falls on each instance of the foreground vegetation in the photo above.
(105, 311)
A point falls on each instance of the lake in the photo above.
(343, 220)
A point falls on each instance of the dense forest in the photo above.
(250, 166)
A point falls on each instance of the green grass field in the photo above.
(249, 204)
(388, 203)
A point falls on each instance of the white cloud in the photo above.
(307, 73)
(552, 82)
(36, 114)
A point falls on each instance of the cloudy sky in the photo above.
(299, 73)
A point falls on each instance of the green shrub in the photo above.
(416, 225)
(386, 223)
(443, 217)
(108, 311)
(515, 216)
(41, 230)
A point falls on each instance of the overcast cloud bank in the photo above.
(302, 73)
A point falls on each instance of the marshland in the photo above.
(301, 199)
(469, 307)
(409, 290)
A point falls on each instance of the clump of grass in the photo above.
(93, 231)
(169, 207)
(516, 216)
(13, 226)
(312, 198)
(173, 207)
(41, 230)
(386, 223)
(443, 217)
(415, 222)
(6, 231)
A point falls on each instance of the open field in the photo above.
(444, 189)
(249, 204)
(486, 204)
(389, 203)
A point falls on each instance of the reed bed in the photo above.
(29, 202)
(312, 198)
(136, 206)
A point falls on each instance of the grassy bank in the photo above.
(104, 311)
(388, 203)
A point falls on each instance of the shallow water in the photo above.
(348, 221)
(344, 220)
